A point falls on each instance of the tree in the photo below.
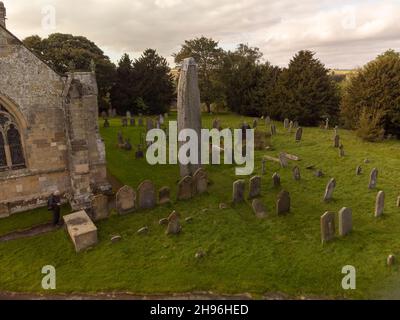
(372, 88)
(248, 84)
(208, 57)
(62, 51)
(122, 94)
(153, 81)
(305, 92)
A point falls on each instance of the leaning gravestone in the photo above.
(299, 134)
(125, 200)
(259, 208)
(100, 207)
(164, 195)
(189, 109)
(330, 188)
(380, 203)
(373, 179)
(174, 226)
(81, 229)
(200, 181)
(185, 188)
(147, 198)
(238, 191)
(296, 173)
(283, 203)
(283, 160)
(345, 221)
(276, 179)
(327, 226)
(255, 187)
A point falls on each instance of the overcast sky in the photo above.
(343, 33)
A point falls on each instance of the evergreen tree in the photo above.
(305, 92)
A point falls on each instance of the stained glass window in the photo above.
(16, 151)
(3, 158)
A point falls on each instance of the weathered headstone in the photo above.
(255, 123)
(106, 123)
(185, 188)
(174, 227)
(295, 124)
(238, 191)
(330, 188)
(286, 123)
(132, 122)
(276, 179)
(139, 154)
(283, 160)
(296, 173)
(128, 114)
(390, 260)
(327, 226)
(140, 122)
(215, 124)
(147, 198)
(124, 122)
(299, 134)
(336, 141)
(345, 221)
(291, 124)
(259, 208)
(125, 200)
(267, 121)
(99, 207)
(81, 229)
(200, 181)
(283, 203)
(273, 130)
(341, 151)
(358, 170)
(189, 109)
(164, 195)
(255, 187)
(127, 145)
(379, 204)
(373, 178)
(149, 124)
(264, 166)
(327, 124)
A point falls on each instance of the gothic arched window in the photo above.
(11, 149)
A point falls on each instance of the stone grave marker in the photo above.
(327, 226)
(330, 188)
(164, 195)
(124, 122)
(185, 188)
(345, 221)
(200, 181)
(296, 173)
(147, 198)
(125, 200)
(299, 134)
(255, 187)
(379, 204)
(106, 123)
(259, 208)
(283, 160)
(358, 170)
(174, 226)
(286, 123)
(81, 229)
(238, 191)
(373, 179)
(100, 207)
(283, 203)
(276, 179)
(336, 141)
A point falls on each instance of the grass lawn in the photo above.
(243, 253)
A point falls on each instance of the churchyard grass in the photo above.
(243, 253)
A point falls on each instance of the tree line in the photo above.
(242, 81)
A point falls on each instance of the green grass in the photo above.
(243, 253)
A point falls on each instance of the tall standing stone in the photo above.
(238, 191)
(286, 123)
(147, 195)
(283, 203)
(189, 109)
(330, 188)
(327, 124)
(373, 178)
(345, 221)
(327, 226)
(299, 134)
(380, 203)
(255, 187)
(125, 200)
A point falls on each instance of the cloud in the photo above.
(344, 33)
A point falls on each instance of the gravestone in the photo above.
(128, 114)
(299, 134)
(132, 122)
(273, 130)
(336, 141)
(358, 170)
(147, 198)
(149, 124)
(174, 227)
(185, 188)
(189, 109)
(267, 121)
(238, 191)
(327, 226)
(161, 119)
(296, 173)
(341, 151)
(255, 187)
(104, 114)
(330, 188)
(127, 145)
(125, 200)
(380, 203)
(200, 181)
(139, 154)
(373, 179)
(295, 124)
(259, 208)
(327, 124)
(286, 123)
(140, 122)
(114, 113)
(124, 122)
(276, 179)
(81, 229)
(255, 123)
(283, 203)
(264, 166)
(318, 173)
(99, 207)
(164, 195)
(106, 123)
(283, 160)
(345, 221)
(215, 124)
(291, 124)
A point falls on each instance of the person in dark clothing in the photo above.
(54, 205)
